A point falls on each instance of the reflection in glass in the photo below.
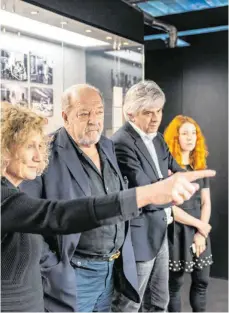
(54, 52)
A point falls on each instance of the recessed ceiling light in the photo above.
(126, 43)
(63, 23)
(34, 12)
(108, 37)
(88, 31)
(139, 48)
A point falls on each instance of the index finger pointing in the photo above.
(191, 176)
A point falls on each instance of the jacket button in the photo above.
(165, 219)
(78, 263)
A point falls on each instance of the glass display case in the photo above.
(43, 53)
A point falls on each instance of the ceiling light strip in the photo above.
(30, 26)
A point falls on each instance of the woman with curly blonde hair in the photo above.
(20, 126)
(190, 251)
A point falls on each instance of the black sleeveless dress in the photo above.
(180, 236)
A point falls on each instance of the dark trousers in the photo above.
(198, 290)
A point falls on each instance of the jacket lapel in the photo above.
(141, 147)
(144, 151)
(160, 155)
(112, 158)
(70, 157)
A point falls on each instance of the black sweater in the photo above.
(21, 287)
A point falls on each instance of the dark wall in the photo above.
(195, 81)
(110, 15)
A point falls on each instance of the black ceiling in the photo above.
(189, 21)
(194, 19)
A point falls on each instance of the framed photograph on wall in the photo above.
(15, 94)
(41, 70)
(42, 100)
(124, 80)
(14, 66)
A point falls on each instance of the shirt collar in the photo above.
(143, 135)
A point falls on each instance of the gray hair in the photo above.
(72, 92)
(140, 96)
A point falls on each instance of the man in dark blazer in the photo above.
(144, 158)
(83, 163)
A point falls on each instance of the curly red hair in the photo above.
(199, 155)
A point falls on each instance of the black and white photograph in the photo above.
(42, 100)
(121, 79)
(41, 69)
(14, 66)
(15, 94)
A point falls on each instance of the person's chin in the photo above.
(189, 149)
(153, 129)
(94, 137)
(31, 176)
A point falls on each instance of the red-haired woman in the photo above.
(190, 251)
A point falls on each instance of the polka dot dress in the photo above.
(181, 238)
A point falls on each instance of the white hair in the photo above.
(72, 92)
(140, 96)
